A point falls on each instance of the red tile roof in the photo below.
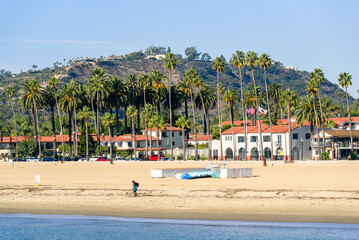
(200, 137)
(264, 129)
(166, 128)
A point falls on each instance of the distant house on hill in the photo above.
(157, 57)
(115, 58)
(86, 59)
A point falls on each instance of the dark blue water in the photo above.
(27, 226)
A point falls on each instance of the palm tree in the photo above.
(274, 92)
(189, 83)
(54, 85)
(147, 114)
(206, 99)
(183, 123)
(117, 98)
(170, 62)
(305, 112)
(68, 103)
(239, 62)
(86, 114)
(109, 120)
(312, 89)
(158, 122)
(32, 98)
(218, 65)
(265, 62)
(231, 98)
(10, 92)
(290, 99)
(145, 83)
(318, 76)
(251, 59)
(345, 81)
(98, 88)
(132, 112)
(158, 83)
(49, 100)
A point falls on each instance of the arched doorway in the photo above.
(229, 154)
(279, 153)
(241, 154)
(295, 153)
(267, 153)
(254, 154)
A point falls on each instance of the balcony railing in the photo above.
(346, 144)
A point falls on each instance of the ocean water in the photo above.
(49, 227)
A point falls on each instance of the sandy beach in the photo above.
(300, 192)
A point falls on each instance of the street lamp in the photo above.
(301, 140)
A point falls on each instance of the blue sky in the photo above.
(305, 34)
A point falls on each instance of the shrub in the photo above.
(324, 156)
(353, 156)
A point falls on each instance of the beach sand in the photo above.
(309, 192)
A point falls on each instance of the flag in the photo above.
(262, 111)
(250, 110)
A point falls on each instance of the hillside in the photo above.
(81, 71)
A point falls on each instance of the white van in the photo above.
(32, 159)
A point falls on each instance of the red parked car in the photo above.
(153, 158)
(103, 159)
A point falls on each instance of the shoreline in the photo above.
(324, 193)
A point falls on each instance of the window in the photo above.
(254, 138)
(266, 138)
(307, 136)
(310, 148)
(130, 144)
(173, 143)
(295, 135)
(180, 133)
(138, 144)
(119, 144)
(173, 134)
(279, 138)
(164, 134)
(240, 139)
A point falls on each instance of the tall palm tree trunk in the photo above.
(70, 134)
(350, 121)
(259, 124)
(170, 105)
(244, 116)
(34, 124)
(75, 137)
(233, 139)
(146, 154)
(38, 130)
(206, 125)
(110, 138)
(16, 147)
(270, 118)
(184, 144)
(316, 123)
(98, 126)
(219, 121)
(87, 141)
(194, 130)
(125, 120)
(158, 142)
(321, 119)
(61, 128)
(53, 128)
(134, 138)
(150, 142)
(290, 134)
(117, 122)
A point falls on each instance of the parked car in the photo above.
(19, 160)
(120, 159)
(166, 159)
(67, 159)
(32, 159)
(93, 159)
(153, 157)
(102, 159)
(49, 159)
(75, 158)
(82, 159)
(131, 159)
